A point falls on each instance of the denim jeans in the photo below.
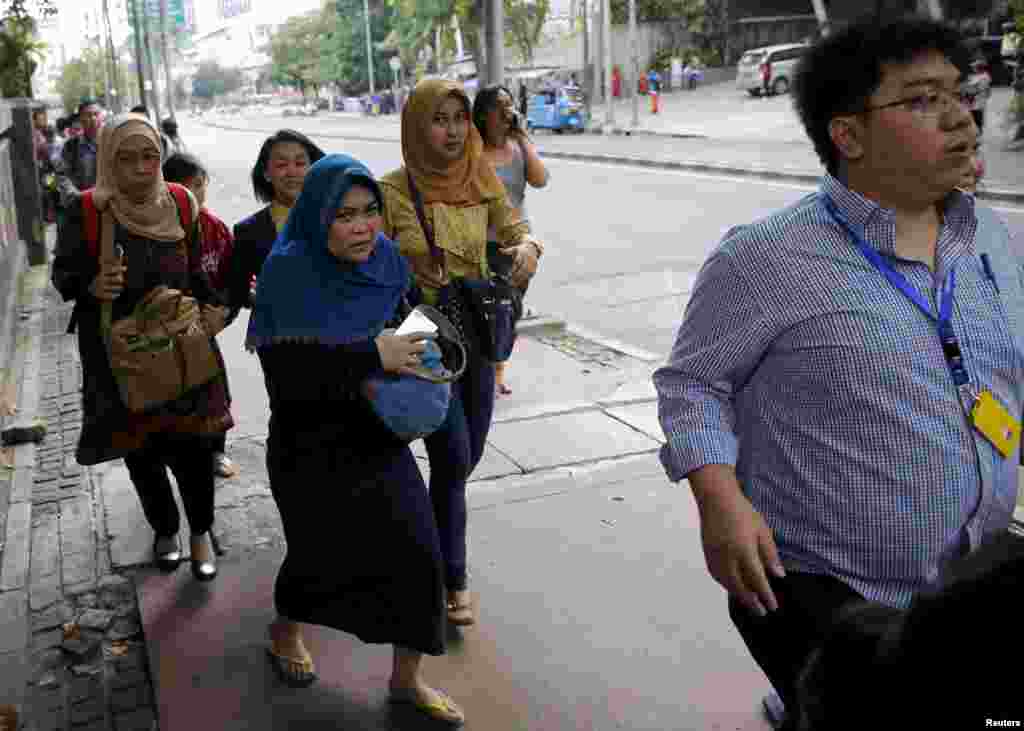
(454, 451)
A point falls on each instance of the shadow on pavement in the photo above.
(595, 612)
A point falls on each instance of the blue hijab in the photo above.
(306, 294)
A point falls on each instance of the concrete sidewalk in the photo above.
(74, 540)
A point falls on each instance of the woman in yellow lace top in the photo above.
(462, 197)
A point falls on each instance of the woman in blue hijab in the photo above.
(363, 553)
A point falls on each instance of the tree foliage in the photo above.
(343, 48)
(212, 80)
(82, 78)
(20, 54)
(524, 23)
(295, 51)
(689, 11)
(28, 8)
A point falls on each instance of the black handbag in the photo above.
(482, 310)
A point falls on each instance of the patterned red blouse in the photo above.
(216, 250)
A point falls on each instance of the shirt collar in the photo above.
(878, 224)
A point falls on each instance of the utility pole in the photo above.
(167, 59)
(634, 64)
(494, 30)
(369, 45)
(149, 68)
(588, 73)
(115, 67)
(139, 67)
(606, 8)
(820, 13)
(598, 27)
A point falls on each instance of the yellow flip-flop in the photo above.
(286, 670)
(443, 710)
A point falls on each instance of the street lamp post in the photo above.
(634, 64)
(369, 45)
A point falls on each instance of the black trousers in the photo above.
(782, 640)
(190, 458)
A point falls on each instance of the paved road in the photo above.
(624, 244)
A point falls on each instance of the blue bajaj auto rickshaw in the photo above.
(556, 109)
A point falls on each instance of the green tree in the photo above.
(295, 51)
(82, 78)
(343, 49)
(524, 22)
(20, 54)
(213, 80)
(20, 49)
(691, 12)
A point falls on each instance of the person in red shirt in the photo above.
(217, 245)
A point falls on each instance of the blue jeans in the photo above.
(454, 451)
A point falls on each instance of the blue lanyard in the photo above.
(950, 344)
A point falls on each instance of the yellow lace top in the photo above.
(279, 214)
(460, 232)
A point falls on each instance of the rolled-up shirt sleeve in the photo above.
(724, 335)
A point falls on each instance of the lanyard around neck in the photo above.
(950, 344)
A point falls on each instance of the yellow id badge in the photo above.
(995, 423)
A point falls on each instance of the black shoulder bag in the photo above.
(482, 310)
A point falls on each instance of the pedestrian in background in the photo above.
(77, 168)
(174, 142)
(327, 290)
(217, 245)
(461, 198)
(515, 160)
(978, 87)
(277, 180)
(157, 251)
(820, 393)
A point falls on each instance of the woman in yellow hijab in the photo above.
(462, 197)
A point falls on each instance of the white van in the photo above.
(770, 69)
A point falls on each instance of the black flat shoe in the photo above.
(168, 560)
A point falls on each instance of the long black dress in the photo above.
(363, 553)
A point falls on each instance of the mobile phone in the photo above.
(418, 323)
(119, 253)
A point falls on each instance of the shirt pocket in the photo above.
(462, 234)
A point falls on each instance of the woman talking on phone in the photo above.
(516, 162)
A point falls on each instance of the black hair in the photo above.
(170, 127)
(63, 123)
(140, 109)
(85, 103)
(934, 665)
(486, 100)
(847, 668)
(50, 133)
(841, 71)
(181, 166)
(261, 186)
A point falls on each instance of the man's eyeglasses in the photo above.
(931, 104)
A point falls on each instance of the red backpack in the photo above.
(91, 217)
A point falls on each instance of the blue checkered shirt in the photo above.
(798, 363)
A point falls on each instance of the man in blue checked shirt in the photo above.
(845, 390)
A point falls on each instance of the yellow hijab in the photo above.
(465, 182)
(156, 215)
